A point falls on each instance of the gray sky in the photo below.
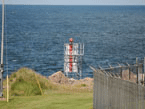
(77, 2)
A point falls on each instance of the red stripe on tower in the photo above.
(70, 54)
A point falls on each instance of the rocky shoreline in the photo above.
(59, 78)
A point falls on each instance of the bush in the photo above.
(83, 85)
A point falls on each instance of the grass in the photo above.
(25, 93)
(24, 83)
(53, 100)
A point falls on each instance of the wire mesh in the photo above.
(122, 91)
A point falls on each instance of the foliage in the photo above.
(25, 93)
(24, 83)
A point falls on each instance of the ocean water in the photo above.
(35, 35)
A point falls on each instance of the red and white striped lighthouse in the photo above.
(72, 61)
(70, 54)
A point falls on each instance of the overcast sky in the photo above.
(76, 2)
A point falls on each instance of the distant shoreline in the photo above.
(69, 5)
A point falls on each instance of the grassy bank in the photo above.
(24, 82)
(26, 94)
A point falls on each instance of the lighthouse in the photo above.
(73, 53)
(70, 54)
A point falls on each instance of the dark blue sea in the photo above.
(35, 35)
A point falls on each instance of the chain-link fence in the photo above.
(119, 88)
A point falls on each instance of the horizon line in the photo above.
(81, 4)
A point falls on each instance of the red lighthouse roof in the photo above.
(71, 40)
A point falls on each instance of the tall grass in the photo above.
(24, 83)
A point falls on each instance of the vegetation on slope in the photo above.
(24, 83)
(59, 92)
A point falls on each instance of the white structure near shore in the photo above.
(73, 53)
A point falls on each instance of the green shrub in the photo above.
(24, 88)
(83, 85)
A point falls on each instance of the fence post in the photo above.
(144, 72)
(129, 72)
(137, 68)
(140, 73)
(121, 72)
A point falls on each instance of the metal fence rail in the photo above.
(111, 92)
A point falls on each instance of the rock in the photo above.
(3, 99)
(72, 81)
(88, 79)
(58, 77)
(133, 77)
